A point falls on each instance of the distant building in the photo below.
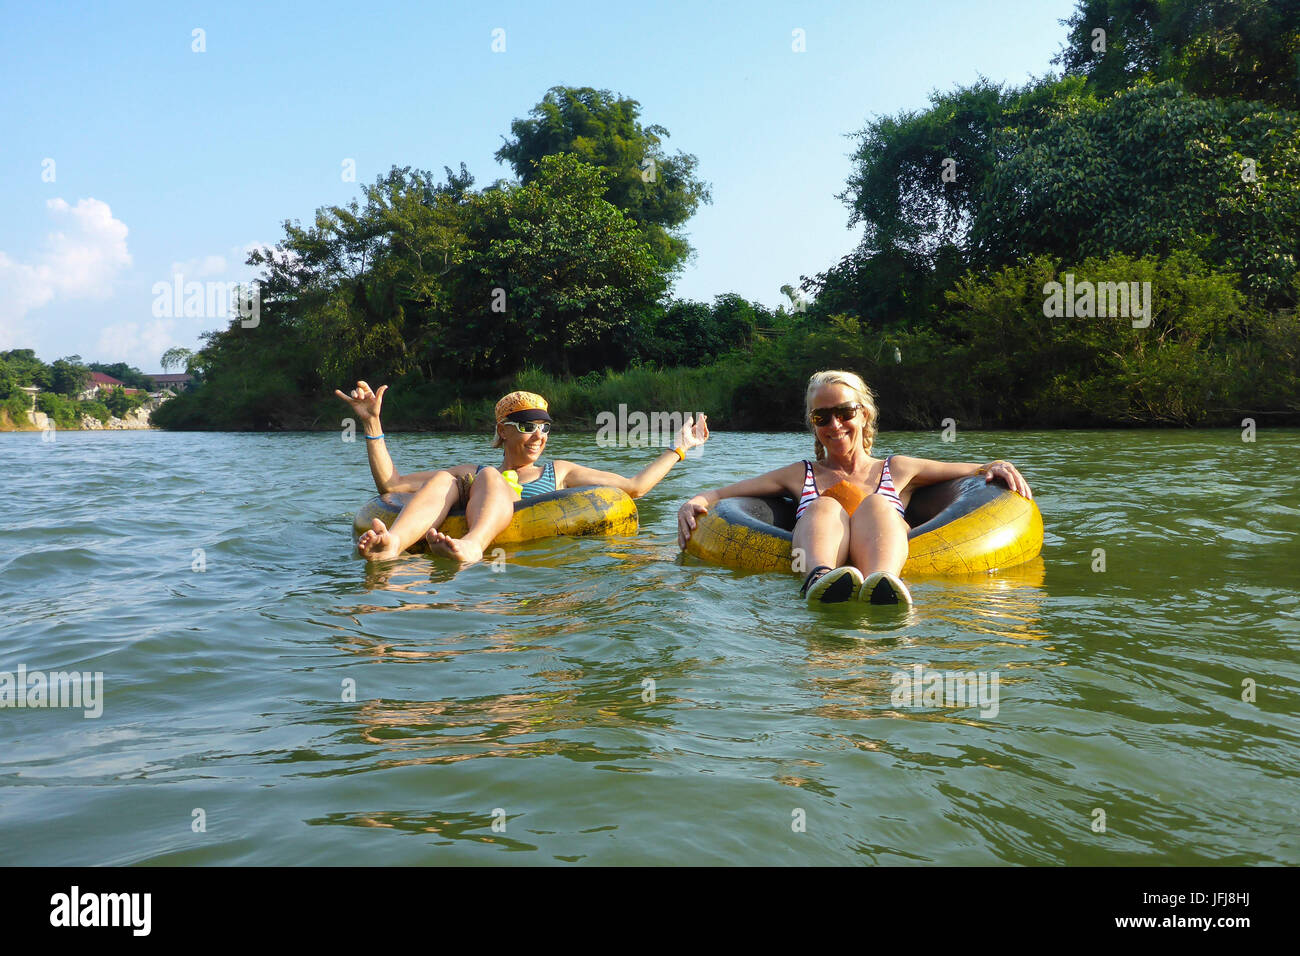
(177, 383)
(106, 383)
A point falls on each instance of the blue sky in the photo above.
(166, 159)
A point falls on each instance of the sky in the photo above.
(129, 155)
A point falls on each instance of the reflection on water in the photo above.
(449, 827)
(953, 628)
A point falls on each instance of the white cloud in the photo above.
(199, 268)
(220, 266)
(136, 343)
(81, 260)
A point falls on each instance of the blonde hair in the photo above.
(862, 394)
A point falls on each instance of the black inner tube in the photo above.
(930, 507)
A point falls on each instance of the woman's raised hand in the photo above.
(365, 401)
(686, 516)
(694, 433)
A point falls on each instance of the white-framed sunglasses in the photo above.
(529, 427)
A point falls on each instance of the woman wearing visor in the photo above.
(488, 493)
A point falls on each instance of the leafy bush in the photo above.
(61, 410)
(17, 404)
(95, 410)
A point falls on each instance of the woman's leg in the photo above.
(821, 536)
(490, 508)
(877, 536)
(428, 507)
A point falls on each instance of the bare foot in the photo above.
(378, 544)
(464, 551)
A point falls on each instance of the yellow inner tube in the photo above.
(592, 509)
(962, 526)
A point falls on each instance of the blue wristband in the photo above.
(373, 437)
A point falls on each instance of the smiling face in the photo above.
(521, 449)
(837, 436)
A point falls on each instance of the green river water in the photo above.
(506, 717)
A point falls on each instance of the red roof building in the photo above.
(98, 381)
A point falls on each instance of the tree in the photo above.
(116, 402)
(364, 283)
(656, 191)
(1153, 170)
(176, 357)
(26, 368)
(550, 271)
(68, 376)
(734, 321)
(918, 176)
(1235, 49)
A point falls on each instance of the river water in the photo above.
(602, 701)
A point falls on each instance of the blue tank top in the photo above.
(538, 486)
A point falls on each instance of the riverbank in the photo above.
(918, 388)
(138, 420)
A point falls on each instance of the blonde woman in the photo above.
(488, 494)
(849, 518)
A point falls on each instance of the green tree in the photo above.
(175, 358)
(68, 376)
(58, 408)
(550, 273)
(26, 368)
(116, 401)
(918, 176)
(1235, 49)
(1153, 170)
(96, 410)
(364, 282)
(657, 191)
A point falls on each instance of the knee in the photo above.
(440, 479)
(489, 479)
(436, 485)
(823, 512)
(875, 507)
(821, 507)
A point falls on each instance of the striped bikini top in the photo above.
(538, 486)
(885, 488)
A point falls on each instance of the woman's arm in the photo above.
(787, 480)
(918, 472)
(692, 434)
(570, 475)
(366, 404)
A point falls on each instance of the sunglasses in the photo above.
(529, 427)
(845, 413)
